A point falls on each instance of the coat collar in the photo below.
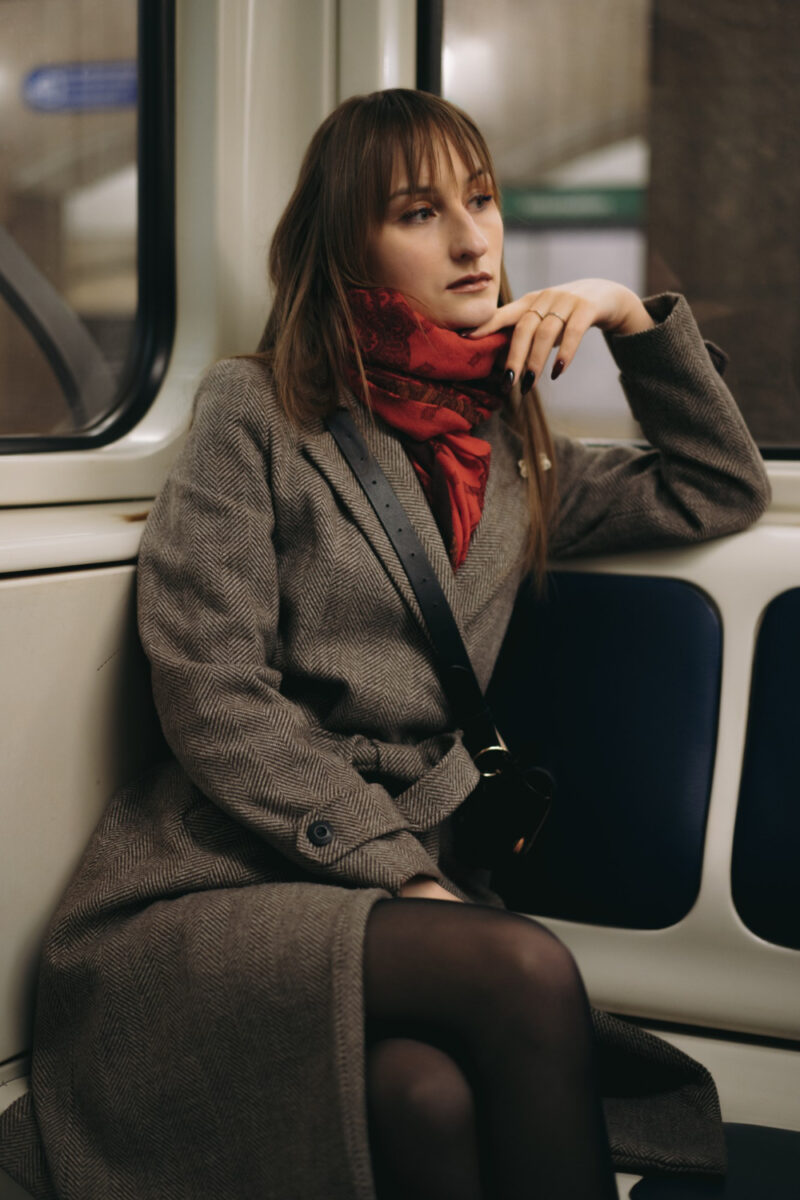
(496, 543)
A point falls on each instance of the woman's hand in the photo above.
(422, 887)
(560, 316)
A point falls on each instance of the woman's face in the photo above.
(442, 247)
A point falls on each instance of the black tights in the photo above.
(480, 1077)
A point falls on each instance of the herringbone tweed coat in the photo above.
(200, 1023)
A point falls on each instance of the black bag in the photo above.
(499, 820)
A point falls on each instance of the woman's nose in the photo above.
(467, 240)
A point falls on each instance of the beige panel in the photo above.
(70, 535)
(377, 45)
(276, 69)
(757, 1084)
(77, 721)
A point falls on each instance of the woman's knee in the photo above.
(415, 1089)
(469, 968)
(528, 970)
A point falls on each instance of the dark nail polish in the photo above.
(557, 369)
(464, 332)
(508, 380)
(527, 381)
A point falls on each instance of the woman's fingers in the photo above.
(581, 319)
(541, 322)
(502, 318)
(522, 341)
(550, 321)
(559, 317)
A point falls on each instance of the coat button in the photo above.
(320, 833)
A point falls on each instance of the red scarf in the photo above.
(420, 380)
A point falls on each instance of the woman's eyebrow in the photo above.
(427, 189)
(407, 191)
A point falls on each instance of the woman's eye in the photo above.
(482, 199)
(418, 216)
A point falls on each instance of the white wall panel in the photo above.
(377, 45)
(77, 721)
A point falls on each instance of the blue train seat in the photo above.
(613, 682)
(766, 862)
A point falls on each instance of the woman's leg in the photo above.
(501, 997)
(421, 1122)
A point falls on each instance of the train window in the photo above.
(86, 217)
(647, 141)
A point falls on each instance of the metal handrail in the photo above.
(79, 365)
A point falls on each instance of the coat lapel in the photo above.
(322, 450)
(495, 545)
(498, 543)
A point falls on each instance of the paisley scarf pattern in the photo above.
(432, 387)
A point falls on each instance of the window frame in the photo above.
(154, 323)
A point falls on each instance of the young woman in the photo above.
(252, 988)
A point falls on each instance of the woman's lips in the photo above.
(470, 283)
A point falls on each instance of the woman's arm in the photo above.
(209, 608)
(703, 478)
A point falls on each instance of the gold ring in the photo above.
(555, 314)
(539, 315)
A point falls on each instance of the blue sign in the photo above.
(81, 87)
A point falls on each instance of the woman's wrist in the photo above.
(634, 319)
(424, 887)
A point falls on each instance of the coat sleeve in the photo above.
(209, 605)
(704, 476)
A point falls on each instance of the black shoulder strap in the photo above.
(458, 677)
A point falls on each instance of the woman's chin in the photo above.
(473, 312)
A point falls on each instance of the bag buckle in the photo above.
(495, 758)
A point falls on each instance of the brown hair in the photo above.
(320, 249)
